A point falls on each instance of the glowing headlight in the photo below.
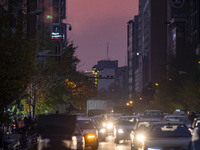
(120, 131)
(109, 125)
(103, 130)
(104, 124)
(91, 136)
(140, 138)
(74, 142)
(74, 139)
(153, 149)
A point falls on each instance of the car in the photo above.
(80, 138)
(195, 123)
(90, 132)
(139, 130)
(56, 131)
(178, 118)
(153, 114)
(123, 127)
(101, 126)
(165, 135)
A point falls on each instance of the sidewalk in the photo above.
(12, 140)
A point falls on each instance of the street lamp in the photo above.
(70, 26)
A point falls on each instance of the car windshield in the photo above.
(141, 124)
(170, 131)
(153, 115)
(127, 120)
(85, 124)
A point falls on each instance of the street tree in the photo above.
(16, 58)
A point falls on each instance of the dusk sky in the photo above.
(96, 23)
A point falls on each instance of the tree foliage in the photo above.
(16, 59)
(60, 83)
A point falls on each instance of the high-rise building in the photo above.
(147, 45)
(133, 57)
(192, 27)
(177, 52)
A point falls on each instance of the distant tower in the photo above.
(107, 51)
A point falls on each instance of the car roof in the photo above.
(149, 120)
(83, 118)
(156, 110)
(134, 116)
(167, 122)
(175, 116)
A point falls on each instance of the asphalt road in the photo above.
(110, 145)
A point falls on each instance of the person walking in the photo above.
(196, 138)
(191, 117)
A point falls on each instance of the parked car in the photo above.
(178, 118)
(90, 132)
(123, 127)
(165, 135)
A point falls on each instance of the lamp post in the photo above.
(70, 26)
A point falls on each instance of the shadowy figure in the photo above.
(196, 138)
(191, 117)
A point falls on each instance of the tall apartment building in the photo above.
(151, 46)
(133, 56)
(45, 17)
(193, 27)
(177, 47)
(154, 40)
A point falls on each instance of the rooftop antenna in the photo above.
(107, 51)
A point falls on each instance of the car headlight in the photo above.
(104, 124)
(102, 130)
(120, 131)
(140, 138)
(91, 136)
(74, 142)
(109, 125)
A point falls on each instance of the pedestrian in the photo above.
(196, 138)
(192, 116)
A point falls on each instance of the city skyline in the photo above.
(99, 29)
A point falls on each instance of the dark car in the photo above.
(139, 130)
(101, 126)
(124, 127)
(56, 132)
(89, 131)
(166, 135)
(80, 138)
(178, 118)
(153, 114)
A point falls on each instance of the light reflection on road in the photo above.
(110, 145)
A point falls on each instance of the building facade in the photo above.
(111, 80)
(149, 53)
